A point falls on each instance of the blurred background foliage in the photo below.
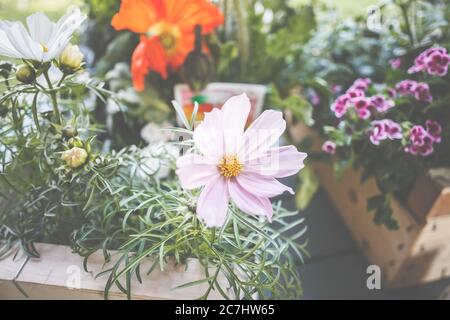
(104, 9)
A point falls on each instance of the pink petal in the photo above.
(277, 162)
(262, 186)
(208, 136)
(212, 205)
(195, 171)
(235, 112)
(248, 202)
(262, 134)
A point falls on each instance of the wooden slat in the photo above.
(430, 196)
(47, 278)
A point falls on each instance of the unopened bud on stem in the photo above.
(75, 157)
(26, 74)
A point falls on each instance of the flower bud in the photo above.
(197, 68)
(75, 157)
(5, 69)
(71, 58)
(69, 131)
(76, 142)
(26, 74)
(3, 110)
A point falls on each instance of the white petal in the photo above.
(21, 41)
(64, 30)
(40, 27)
(6, 48)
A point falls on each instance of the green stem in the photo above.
(54, 98)
(61, 80)
(404, 9)
(243, 35)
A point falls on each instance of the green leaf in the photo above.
(308, 186)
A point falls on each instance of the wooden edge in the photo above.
(423, 196)
(442, 205)
(59, 274)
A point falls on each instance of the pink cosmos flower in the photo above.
(237, 164)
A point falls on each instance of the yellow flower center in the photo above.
(230, 166)
(44, 48)
(168, 35)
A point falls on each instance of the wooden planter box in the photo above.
(419, 251)
(58, 270)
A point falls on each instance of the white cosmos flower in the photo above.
(43, 41)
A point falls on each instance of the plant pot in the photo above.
(59, 274)
(419, 251)
(215, 95)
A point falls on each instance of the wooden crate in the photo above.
(415, 253)
(419, 251)
(52, 277)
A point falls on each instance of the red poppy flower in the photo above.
(167, 32)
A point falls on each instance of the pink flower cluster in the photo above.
(384, 129)
(422, 140)
(356, 97)
(434, 60)
(420, 90)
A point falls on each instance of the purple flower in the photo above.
(406, 87)
(391, 92)
(381, 104)
(329, 147)
(362, 105)
(417, 135)
(434, 60)
(340, 105)
(434, 130)
(422, 92)
(315, 99)
(396, 63)
(361, 84)
(335, 88)
(421, 141)
(393, 130)
(355, 93)
(384, 129)
(377, 132)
